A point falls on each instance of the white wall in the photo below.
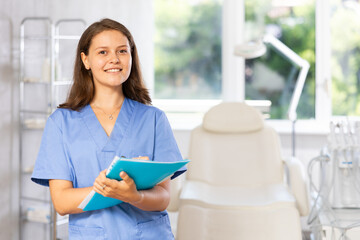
(6, 126)
(135, 14)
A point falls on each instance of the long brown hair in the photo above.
(83, 89)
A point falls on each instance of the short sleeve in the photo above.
(166, 148)
(52, 161)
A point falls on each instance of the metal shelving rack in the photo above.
(40, 80)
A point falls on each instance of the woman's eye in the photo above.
(102, 52)
(123, 51)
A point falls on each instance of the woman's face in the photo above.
(109, 59)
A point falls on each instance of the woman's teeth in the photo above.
(113, 70)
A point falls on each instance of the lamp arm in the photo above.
(283, 49)
(297, 91)
(296, 60)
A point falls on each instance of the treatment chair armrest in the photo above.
(298, 183)
(175, 190)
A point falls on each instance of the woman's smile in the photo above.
(113, 70)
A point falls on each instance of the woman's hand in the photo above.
(124, 190)
(154, 199)
(142, 158)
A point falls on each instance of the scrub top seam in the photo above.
(126, 133)
(89, 130)
(117, 127)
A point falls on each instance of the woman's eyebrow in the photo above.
(102, 47)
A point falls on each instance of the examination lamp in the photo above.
(256, 49)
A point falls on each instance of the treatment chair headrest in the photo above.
(233, 117)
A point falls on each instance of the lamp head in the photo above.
(250, 50)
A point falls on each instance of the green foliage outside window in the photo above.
(187, 49)
(296, 26)
(345, 61)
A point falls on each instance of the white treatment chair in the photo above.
(235, 186)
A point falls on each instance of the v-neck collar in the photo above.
(119, 132)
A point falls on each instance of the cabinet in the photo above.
(47, 53)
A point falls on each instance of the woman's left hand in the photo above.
(124, 190)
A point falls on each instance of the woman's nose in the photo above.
(115, 58)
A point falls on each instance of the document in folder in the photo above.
(146, 174)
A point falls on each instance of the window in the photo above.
(187, 49)
(321, 31)
(272, 76)
(345, 57)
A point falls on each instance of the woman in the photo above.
(107, 113)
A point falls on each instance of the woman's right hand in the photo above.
(101, 182)
(142, 158)
(124, 190)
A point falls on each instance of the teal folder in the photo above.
(146, 174)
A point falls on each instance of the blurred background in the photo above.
(186, 49)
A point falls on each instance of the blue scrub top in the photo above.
(76, 148)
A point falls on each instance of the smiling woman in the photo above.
(107, 114)
(96, 40)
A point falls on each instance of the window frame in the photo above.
(233, 78)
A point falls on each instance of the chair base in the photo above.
(258, 223)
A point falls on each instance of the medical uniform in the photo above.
(76, 148)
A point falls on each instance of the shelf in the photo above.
(35, 199)
(60, 37)
(34, 123)
(32, 128)
(67, 37)
(55, 83)
(37, 38)
(38, 214)
(28, 170)
(34, 112)
(61, 220)
(62, 83)
(26, 219)
(42, 85)
(29, 80)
